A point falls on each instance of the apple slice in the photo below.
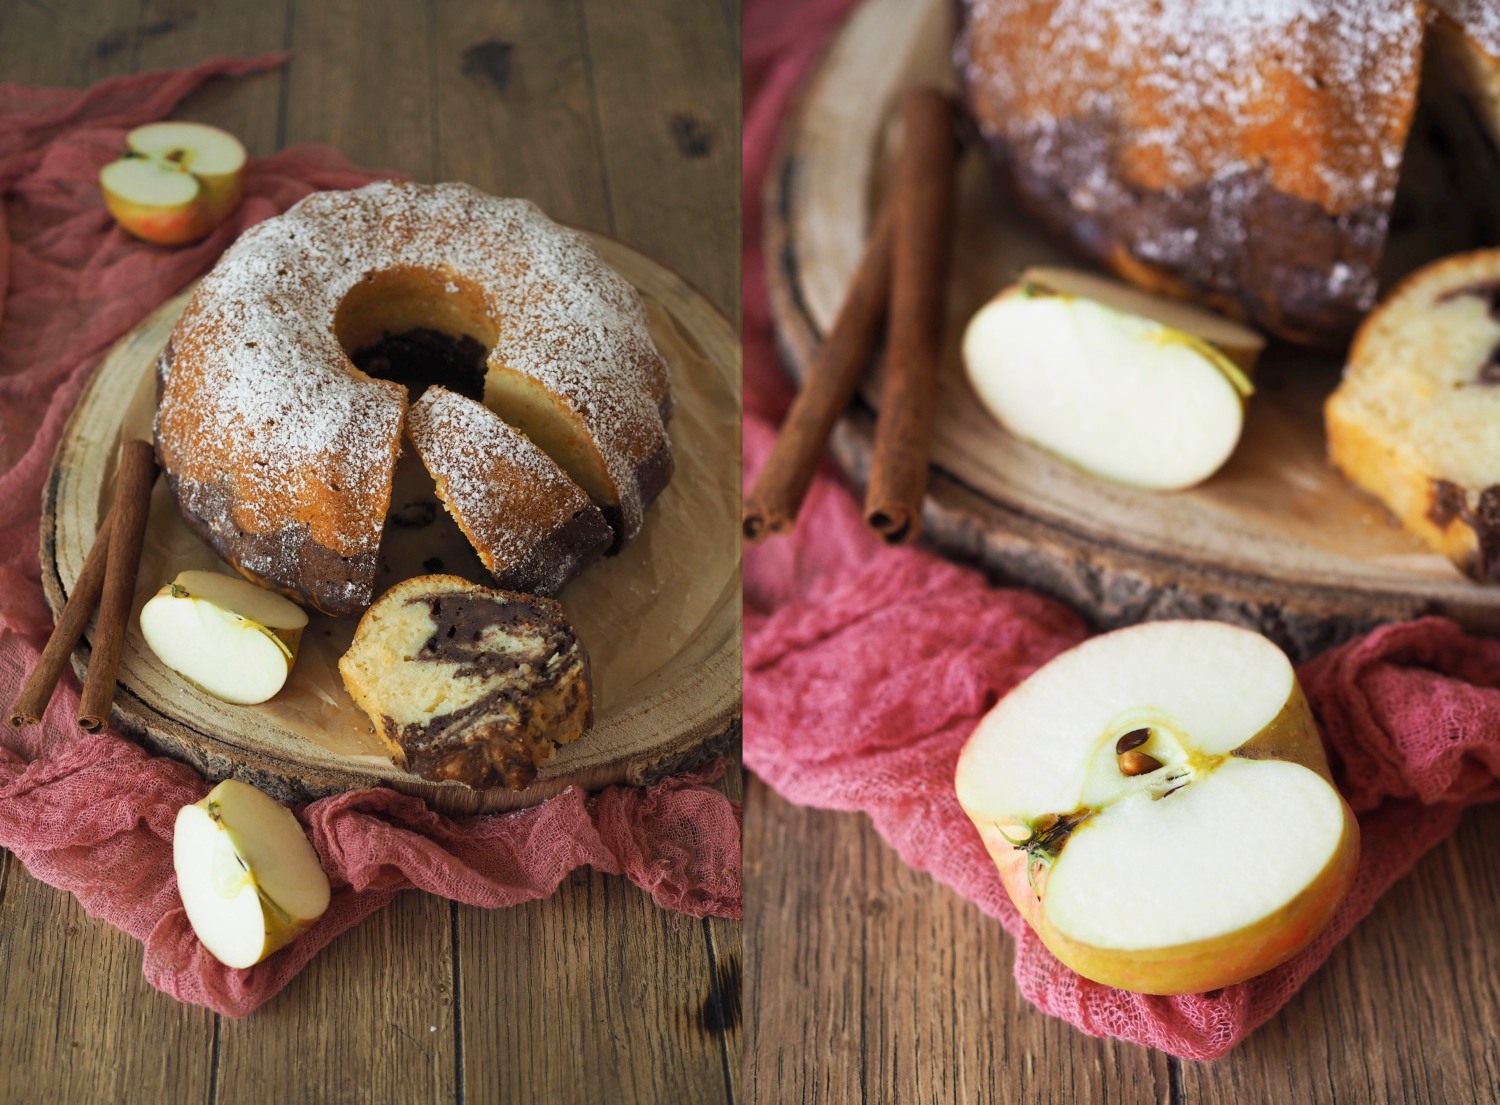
(235, 640)
(1160, 808)
(1114, 392)
(1236, 341)
(248, 877)
(177, 182)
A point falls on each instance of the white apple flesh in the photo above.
(177, 182)
(235, 640)
(1160, 807)
(1113, 392)
(1236, 341)
(248, 877)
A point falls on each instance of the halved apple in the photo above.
(1159, 806)
(249, 878)
(177, 182)
(235, 640)
(1114, 391)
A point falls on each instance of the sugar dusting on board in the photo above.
(260, 387)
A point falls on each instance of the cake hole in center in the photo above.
(421, 357)
(417, 327)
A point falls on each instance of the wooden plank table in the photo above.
(869, 982)
(621, 118)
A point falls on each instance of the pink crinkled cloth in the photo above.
(866, 668)
(93, 814)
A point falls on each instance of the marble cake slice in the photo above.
(1416, 419)
(469, 684)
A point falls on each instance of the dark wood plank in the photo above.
(669, 130)
(78, 1022)
(370, 1019)
(515, 113)
(181, 32)
(868, 981)
(1407, 1009)
(361, 80)
(726, 959)
(593, 995)
(67, 42)
(74, 1008)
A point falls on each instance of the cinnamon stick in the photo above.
(132, 503)
(772, 505)
(922, 200)
(32, 704)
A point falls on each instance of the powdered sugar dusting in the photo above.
(1480, 19)
(1317, 92)
(1247, 153)
(505, 492)
(260, 390)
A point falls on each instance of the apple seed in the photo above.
(1138, 763)
(1133, 739)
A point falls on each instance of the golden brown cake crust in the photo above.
(1244, 154)
(534, 528)
(281, 453)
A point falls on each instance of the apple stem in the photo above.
(1046, 837)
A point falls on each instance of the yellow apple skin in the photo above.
(279, 931)
(1223, 960)
(1200, 966)
(216, 200)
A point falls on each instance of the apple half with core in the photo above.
(233, 639)
(1160, 807)
(249, 878)
(176, 182)
(1112, 389)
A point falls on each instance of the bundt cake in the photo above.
(1243, 154)
(533, 528)
(280, 451)
(1416, 420)
(466, 683)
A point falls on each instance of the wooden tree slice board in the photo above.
(661, 621)
(1277, 540)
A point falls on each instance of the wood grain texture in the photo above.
(516, 106)
(77, 1020)
(370, 1019)
(669, 165)
(68, 42)
(867, 981)
(555, 977)
(371, 88)
(1276, 540)
(1407, 1009)
(250, 108)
